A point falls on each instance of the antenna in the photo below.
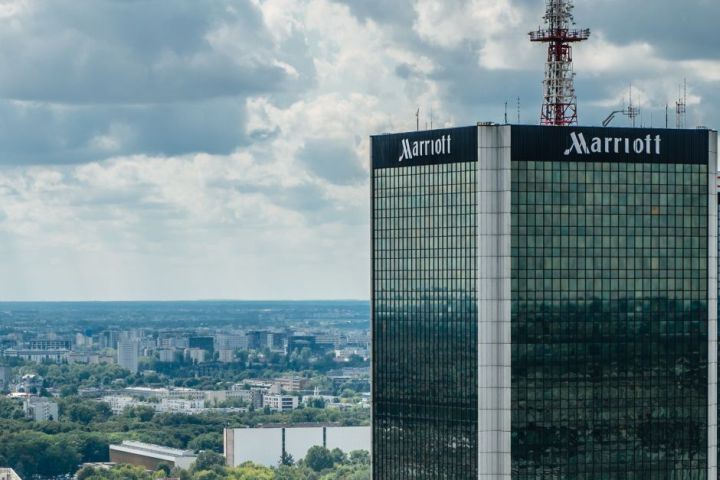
(559, 100)
(681, 106)
(431, 118)
(417, 119)
(632, 112)
(518, 112)
(506, 122)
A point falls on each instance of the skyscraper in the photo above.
(127, 354)
(544, 303)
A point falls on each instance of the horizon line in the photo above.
(198, 300)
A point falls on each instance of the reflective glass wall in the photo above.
(424, 322)
(609, 320)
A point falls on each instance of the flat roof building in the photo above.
(128, 353)
(150, 456)
(544, 303)
(9, 474)
(40, 409)
(267, 445)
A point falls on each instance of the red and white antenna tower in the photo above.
(560, 102)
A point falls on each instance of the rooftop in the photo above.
(149, 449)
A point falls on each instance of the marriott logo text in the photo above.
(423, 148)
(639, 146)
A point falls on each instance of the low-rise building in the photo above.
(231, 342)
(37, 356)
(160, 393)
(197, 355)
(252, 396)
(281, 403)
(118, 403)
(40, 409)
(5, 377)
(254, 383)
(9, 474)
(226, 356)
(180, 405)
(167, 355)
(292, 384)
(49, 344)
(266, 446)
(85, 358)
(150, 456)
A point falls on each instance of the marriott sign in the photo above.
(424, 148)
(648, 145)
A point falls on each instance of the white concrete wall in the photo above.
(299, 440)
(712, 305)
(259, 445)
(264, 445)
(494, 301)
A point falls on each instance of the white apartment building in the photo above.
(118, 403)
(178, 405)
(128, 353)
(167, 355)
(281, 403)
(9, 474)
(40, 409)
(226, 356)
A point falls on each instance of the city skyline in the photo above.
(220, 150)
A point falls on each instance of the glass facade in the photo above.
(609, 320)
(425, 322)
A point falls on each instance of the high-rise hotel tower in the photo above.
(544, 304)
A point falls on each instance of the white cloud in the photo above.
(242, 174)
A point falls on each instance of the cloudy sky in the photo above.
(195, 149)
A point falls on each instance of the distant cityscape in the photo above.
(200, 359)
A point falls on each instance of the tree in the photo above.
(164, 467)
(286, 459)
(338, 456)
(319, 458)
(349, 472)
(121, 472)
(207, 460)
(142, 413)
(207, 441)
(249, 471)
(34, 453)
(10, 409)
(69, 391)
(297, 472)
(85, 473)
(360, 457)
(92, 447)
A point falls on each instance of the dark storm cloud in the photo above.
(678, 30)
(100, 51)
(87, 79)
(332, 160)
(40, 133)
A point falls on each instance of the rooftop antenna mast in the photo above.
(559, 100)
(681, 106)
(632, 111)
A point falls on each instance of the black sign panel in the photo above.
(595, 144)
(430, 147)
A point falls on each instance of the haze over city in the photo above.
(219, 149)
